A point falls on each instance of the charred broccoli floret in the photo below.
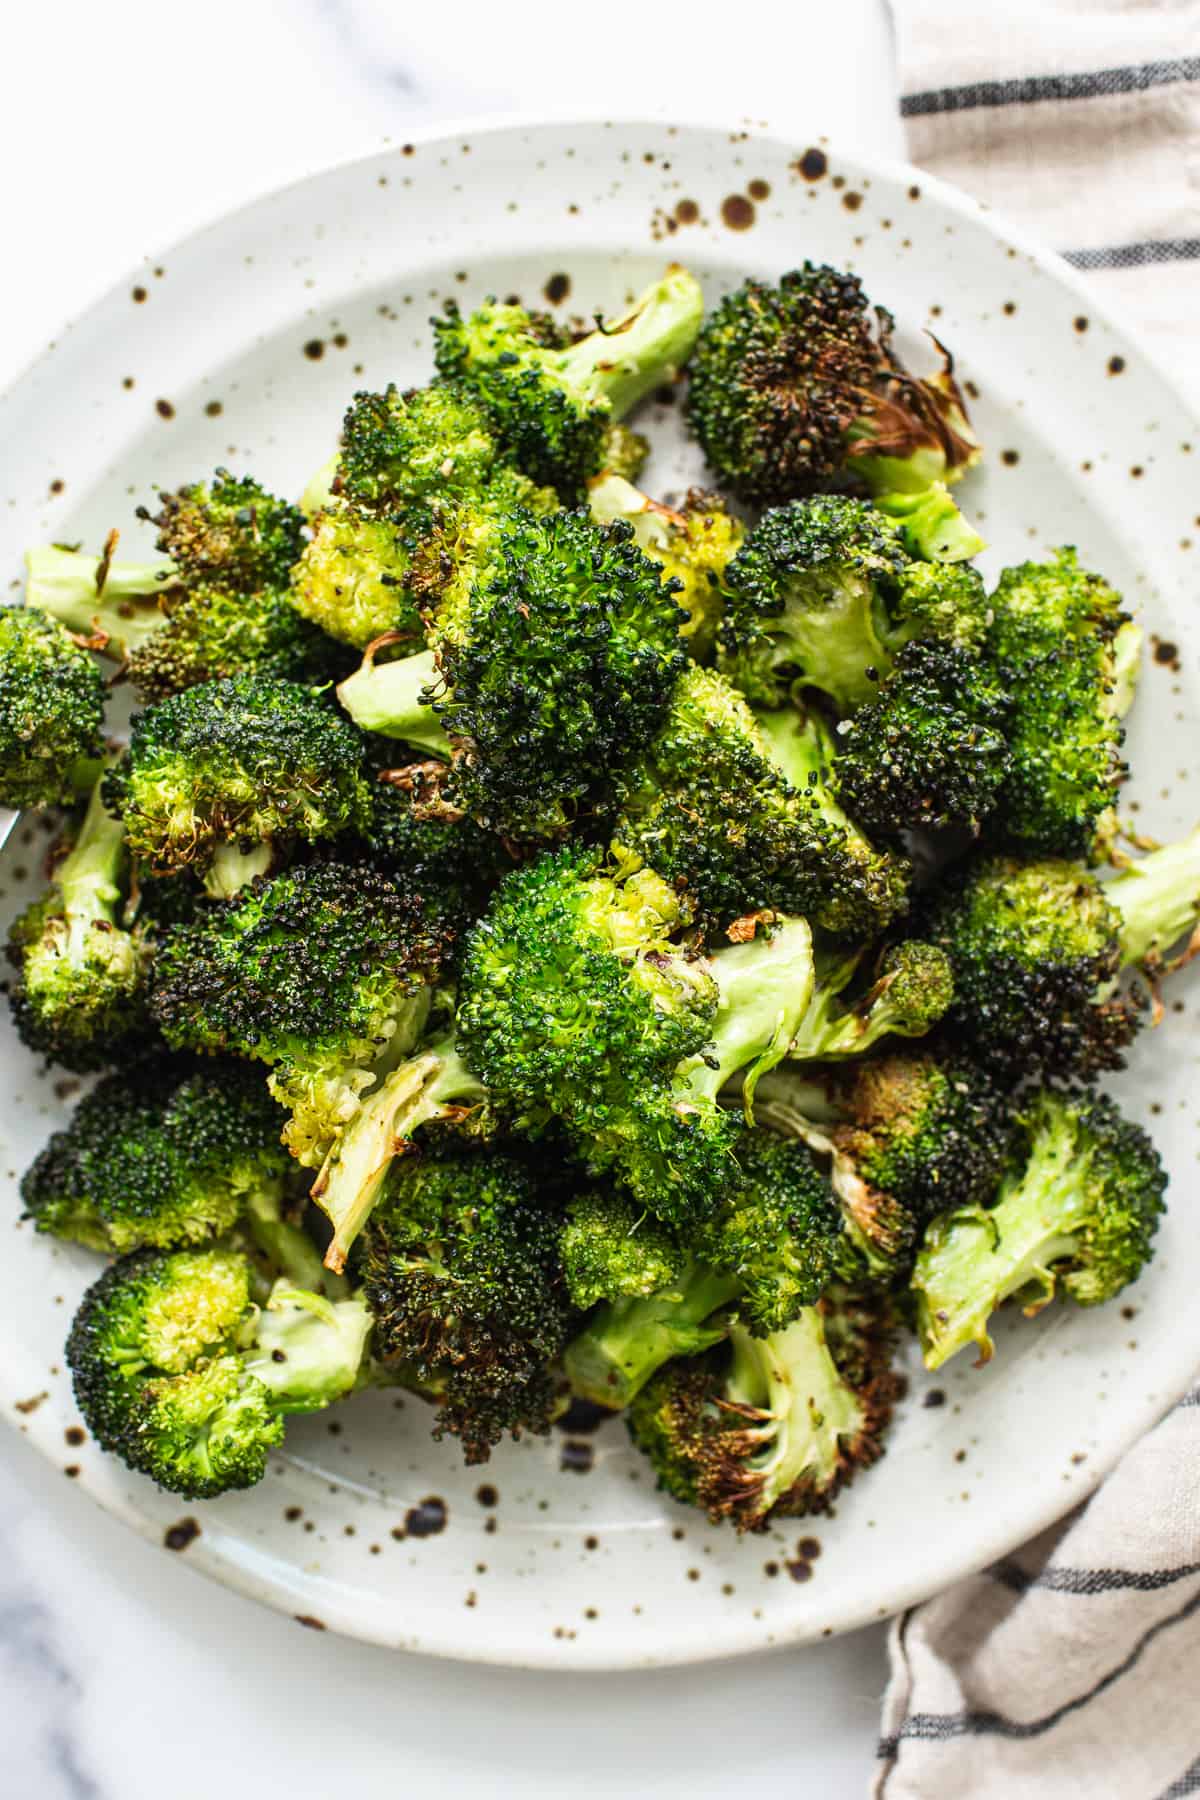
(773, 1426)
(1036, 949)
(733, 807)
(462, 1272)
(1063, 646)
(578, 1004)
(796, 384)
(183, 1377)
(79, 996)
(931, 751)
(824, 595)
(556, 660)
(219, 777)
(1075, 1215)
(51, 712)
(694, 543)
(430, 849)
(162, 1155)
(550, 404)
(910, 989)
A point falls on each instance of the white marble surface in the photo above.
(123, 1676)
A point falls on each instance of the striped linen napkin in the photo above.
(1073, 1667)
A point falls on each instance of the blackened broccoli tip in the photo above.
(79, 995)
(693, 544)
(243, 765)
(429, 848)
(931, 751)
(1055, 635)
(773, 1426)
(550, 404)
(230, 531)
(1075, 1216)
(182, 1376)
(796, 383)
(320, 973)
(51, 712)
(463, 1276)
(163, 1155)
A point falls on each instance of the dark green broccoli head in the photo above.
(353, 580)
(51, 712)
(1075, 1215)
(432, 852)
(792, 384)
(612, 1250)
(931, 751)
(807, 603)
(461, 1271)
(230, 533)
(210, 632)
(161, 1155)
(563, 663)
(316, 972)
(236, 764)
(550, 403)
(781, 1233)
(1053, 633)
(427, 443)
(1035, 950)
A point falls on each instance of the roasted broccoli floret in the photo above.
(773, 1426)
(694, 543)
(462, 1272)
(51, 712)
(623, 452)
(733, 807)
(353, 579)
(165, 1154)
(631, 1336)
(910, 989)
(612, 1250)
(401, 449)
(231, 531)
(796, 384)
(183, 1377)
(931, 752)
(1075, 1215)
(220, 777)
(430, 848)
(549, 404)
(824, 595)
(79, 996)
(1036, 949)
(577, 1004)
(322, 973)
(1063, 645)
(556, 660)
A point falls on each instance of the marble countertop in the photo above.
(122, 1675)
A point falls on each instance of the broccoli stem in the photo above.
(389, 698)
(974, 1259)
(125, 611)
(318, 489)
(89, 876)
(763, 989)
(623, 361)
(807, 1409)
(231, 869)
(932, 527)
(627, 1340)
(1158, 899)
(309, 1350)
(1127, 657)
(828, 1030)
(434, 1085)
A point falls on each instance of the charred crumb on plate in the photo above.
(1116, 364)
(31, 1405)
(164, 409)
(852, 200)
(486, 1494)
(427, 1519)
(71, 1471)
(799, 1569)
(314, 349)
(310, 1621)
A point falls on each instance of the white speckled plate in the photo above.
(241, 346)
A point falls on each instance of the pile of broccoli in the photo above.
(543, 940)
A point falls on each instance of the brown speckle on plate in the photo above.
(75, 1435)
(31, 1405)
(1010, 458)
(1115, 364)
(737, 213)
(164, 409)
(686, 212)
(139, 294)
(315, 349)
(427, 1519)
(799, 1570)
(1081, 322)
(486, 1494)
(577, 1457)
(310, 1621)
(852, 200)
(212, 409)
(758, 189)
(813, 164)
(557, 288)
(180, 1535)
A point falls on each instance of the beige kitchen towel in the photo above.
(1073, 1667)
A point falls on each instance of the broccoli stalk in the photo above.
(389, 698)
(911, 992)
(113, 604)
(630, 1338)
(434, 1085)
(1158, 900)
(763, 990)
(1077, 1216)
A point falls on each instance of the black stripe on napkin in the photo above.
(1090, 1582)
(1134, 79)
(1135, 256)
(1187, 1783)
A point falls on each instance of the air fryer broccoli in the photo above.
(549, 404)
(165, 1154)
(179, 1373)
(911, 989)
(51, 712)
(823, 594)
(694, 543)
(1075, 1215)
(796, 384)
(221, 777)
